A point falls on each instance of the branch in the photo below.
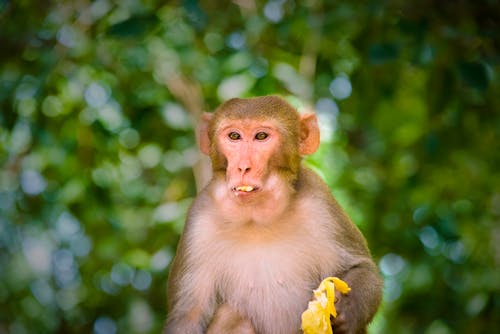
(190, 95)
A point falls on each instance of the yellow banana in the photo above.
(316, 319)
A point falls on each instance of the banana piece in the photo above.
(244, 188)
(316, 319)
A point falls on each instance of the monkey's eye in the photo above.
(261, 136)
(234, 135)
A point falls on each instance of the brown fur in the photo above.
(248, 262)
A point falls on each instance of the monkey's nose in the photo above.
(243, 170)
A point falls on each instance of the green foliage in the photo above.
(97, 147)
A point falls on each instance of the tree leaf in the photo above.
(135, 26)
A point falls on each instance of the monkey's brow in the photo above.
(266, 125)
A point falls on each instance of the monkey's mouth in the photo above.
(244, 189)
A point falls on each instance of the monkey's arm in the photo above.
(356, 310)
(191, 297)
(186, 309)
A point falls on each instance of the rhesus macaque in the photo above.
(265, 231)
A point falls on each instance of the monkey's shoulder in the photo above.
(311, 186)
(308, 180)
(319, 196)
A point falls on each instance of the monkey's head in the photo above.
(257, 142)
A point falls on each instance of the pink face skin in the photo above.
(248, 146)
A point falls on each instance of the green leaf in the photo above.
(383, 53)
(135, 26)
(474, 74)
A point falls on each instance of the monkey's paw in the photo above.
(316, 319)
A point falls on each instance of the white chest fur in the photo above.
(262, 282)
(266, 271)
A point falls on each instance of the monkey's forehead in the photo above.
(257, 112)
(258, 101)
(257, 107)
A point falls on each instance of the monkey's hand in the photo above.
(342, 324)
(316, 319)
(356, 310)
(228, 321)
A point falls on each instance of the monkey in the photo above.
(265, 231)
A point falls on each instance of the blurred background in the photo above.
(99, 100)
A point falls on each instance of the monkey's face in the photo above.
(250, 152)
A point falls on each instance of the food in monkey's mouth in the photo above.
(244, 188)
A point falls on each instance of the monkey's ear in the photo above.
(203, 137)
(309, 134)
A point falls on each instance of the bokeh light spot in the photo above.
(392, 264)
(142, 280)
(32, 182)
(340, 87)
(96, 95)
(104, 325)
(273, 10)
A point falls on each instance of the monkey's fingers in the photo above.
(340, 325)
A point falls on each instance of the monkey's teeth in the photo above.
(244, 188)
